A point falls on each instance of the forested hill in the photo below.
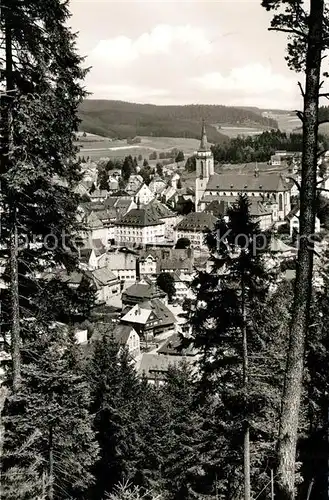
(121, 119)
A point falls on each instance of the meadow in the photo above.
(106, 148)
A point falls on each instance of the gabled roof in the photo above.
(143, 291)
(93, 221)
(173, 347)
(122, 333)
(85, 254)
(149, 311)
(197, 221)
(217, 207)
(263, 182)
(103, 276)
(156, 365)
(159, 210)
(98, 247)
(140, 217)
(294, 211)
(164, 315)
(259, 209)
(137, 314)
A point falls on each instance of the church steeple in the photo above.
(203, 142)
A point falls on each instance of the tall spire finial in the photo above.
(203, 143)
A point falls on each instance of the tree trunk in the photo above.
(303, 284)
(51, 466)
(14, 296)
(246, 446)
(13, 238)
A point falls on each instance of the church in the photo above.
(264, 189)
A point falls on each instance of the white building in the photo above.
(123, 265)
(147, 265)
(144, 195)
(139, 227)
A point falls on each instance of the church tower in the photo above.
(204, 167)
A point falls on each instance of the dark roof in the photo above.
(139, 217)
(159, 209)
(156, 365)
(143, 291)
(247, 182)
(176, 264)
(197, 221)
(258, 209)
(121, 333)
(217, 208)
(173, 347)
(85, 254)
(161, 311)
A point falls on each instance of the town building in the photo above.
(138, 227)
(123, 264)
(150, 319)
(141, 291)
(167, 216)
(134, 183)
(154, 367)
(194, 227)
(263, 187)
(106, 284)
(158, 186)
(127, 338)
(144, 195)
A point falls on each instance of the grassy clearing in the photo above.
(106, 148)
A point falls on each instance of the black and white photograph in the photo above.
(164, 250)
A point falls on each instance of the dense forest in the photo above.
(261, 147)
(122, 119)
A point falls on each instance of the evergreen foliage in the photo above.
(121, 423)
(54, 400)
(259, 147)
(166, 282)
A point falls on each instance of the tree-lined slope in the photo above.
(123, 119)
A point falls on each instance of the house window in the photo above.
(280, 202)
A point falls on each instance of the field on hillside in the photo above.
(233, 132)
(106, 148)
(287, 122)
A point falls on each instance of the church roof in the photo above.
(263, 182)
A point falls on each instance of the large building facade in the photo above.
(267, 188)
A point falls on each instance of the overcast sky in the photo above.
(182, 52)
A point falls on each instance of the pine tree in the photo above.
(222, 321)
(38, 157)
(183, 471)
(39, 170)
(115, 399)
(51, 414)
